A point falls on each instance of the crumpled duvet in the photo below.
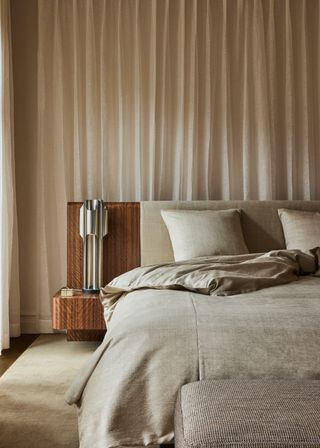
(176, 323)
(216, 275)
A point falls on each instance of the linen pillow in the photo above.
(301, 229)
(199, 233)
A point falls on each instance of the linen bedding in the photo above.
(176, 323)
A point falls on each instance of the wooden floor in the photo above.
(17, 347)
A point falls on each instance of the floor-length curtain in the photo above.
(183, 99)
(9, 280)
(169, 99)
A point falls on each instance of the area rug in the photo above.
(33, 413)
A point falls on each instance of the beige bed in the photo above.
(159, 339)
(260, 223)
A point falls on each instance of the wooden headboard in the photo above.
(121, 248)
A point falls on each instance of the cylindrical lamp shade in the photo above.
(93, 228)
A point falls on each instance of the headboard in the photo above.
(260, 223)
(137, 234)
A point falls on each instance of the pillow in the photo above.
(301, 229)
(199, 233)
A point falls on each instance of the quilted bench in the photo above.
(248, 414)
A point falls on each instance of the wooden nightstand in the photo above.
(81, 315)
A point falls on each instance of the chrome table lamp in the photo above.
(93, 228)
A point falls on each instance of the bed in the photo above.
(160, 339)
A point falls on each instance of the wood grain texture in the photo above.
(121, 247)
(74, 246)
(121, 251)
(82, 314)
(85, 335)
(79, 312)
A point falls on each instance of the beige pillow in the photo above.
(301, 229)
(199, 233)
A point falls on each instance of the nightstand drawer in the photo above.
(79, 312)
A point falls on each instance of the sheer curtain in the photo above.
(183, 99)
(9, 281)
(169, 99)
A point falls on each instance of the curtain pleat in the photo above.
(161, 99)
(9, 262)
(181, 100)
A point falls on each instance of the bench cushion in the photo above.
(248, 413)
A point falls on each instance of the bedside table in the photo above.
(81, 315)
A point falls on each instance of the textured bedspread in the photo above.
(159, 339)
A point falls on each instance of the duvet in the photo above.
(247, 316)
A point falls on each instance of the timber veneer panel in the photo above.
(79, 312)
(85, 335)
(82, 314)
(121, 246)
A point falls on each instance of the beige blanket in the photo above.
(161, 338)
(216, 275)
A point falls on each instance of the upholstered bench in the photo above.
(248, 414)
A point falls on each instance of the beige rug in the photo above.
(33, 413)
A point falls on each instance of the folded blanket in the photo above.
(216, 275)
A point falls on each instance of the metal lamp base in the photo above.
(93, 228)
(91, 291)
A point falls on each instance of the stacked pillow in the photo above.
(200, 233)
(301, 229)
(196, 233)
